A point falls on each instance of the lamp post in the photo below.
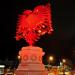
(19, 58)
(64, 62)
(51, 59)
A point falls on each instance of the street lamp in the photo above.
(19, 57)
(64, 62)
(50, 60)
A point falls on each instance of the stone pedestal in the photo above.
(31, 61)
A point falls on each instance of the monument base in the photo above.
(22, 72)
(31, 61)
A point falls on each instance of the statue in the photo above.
(31, 25)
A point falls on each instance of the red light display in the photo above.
(32, 24)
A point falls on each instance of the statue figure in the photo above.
(34, 23)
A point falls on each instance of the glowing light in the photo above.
(63, 60)
(51, 58)
(2, 66)
(39, 31)
(19, 57)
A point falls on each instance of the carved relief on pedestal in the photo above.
(33, 57)
(25, 58)
(31, 54)
(40, 58)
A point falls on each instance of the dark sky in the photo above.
(61, 43)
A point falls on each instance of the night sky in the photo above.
(61, 43)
